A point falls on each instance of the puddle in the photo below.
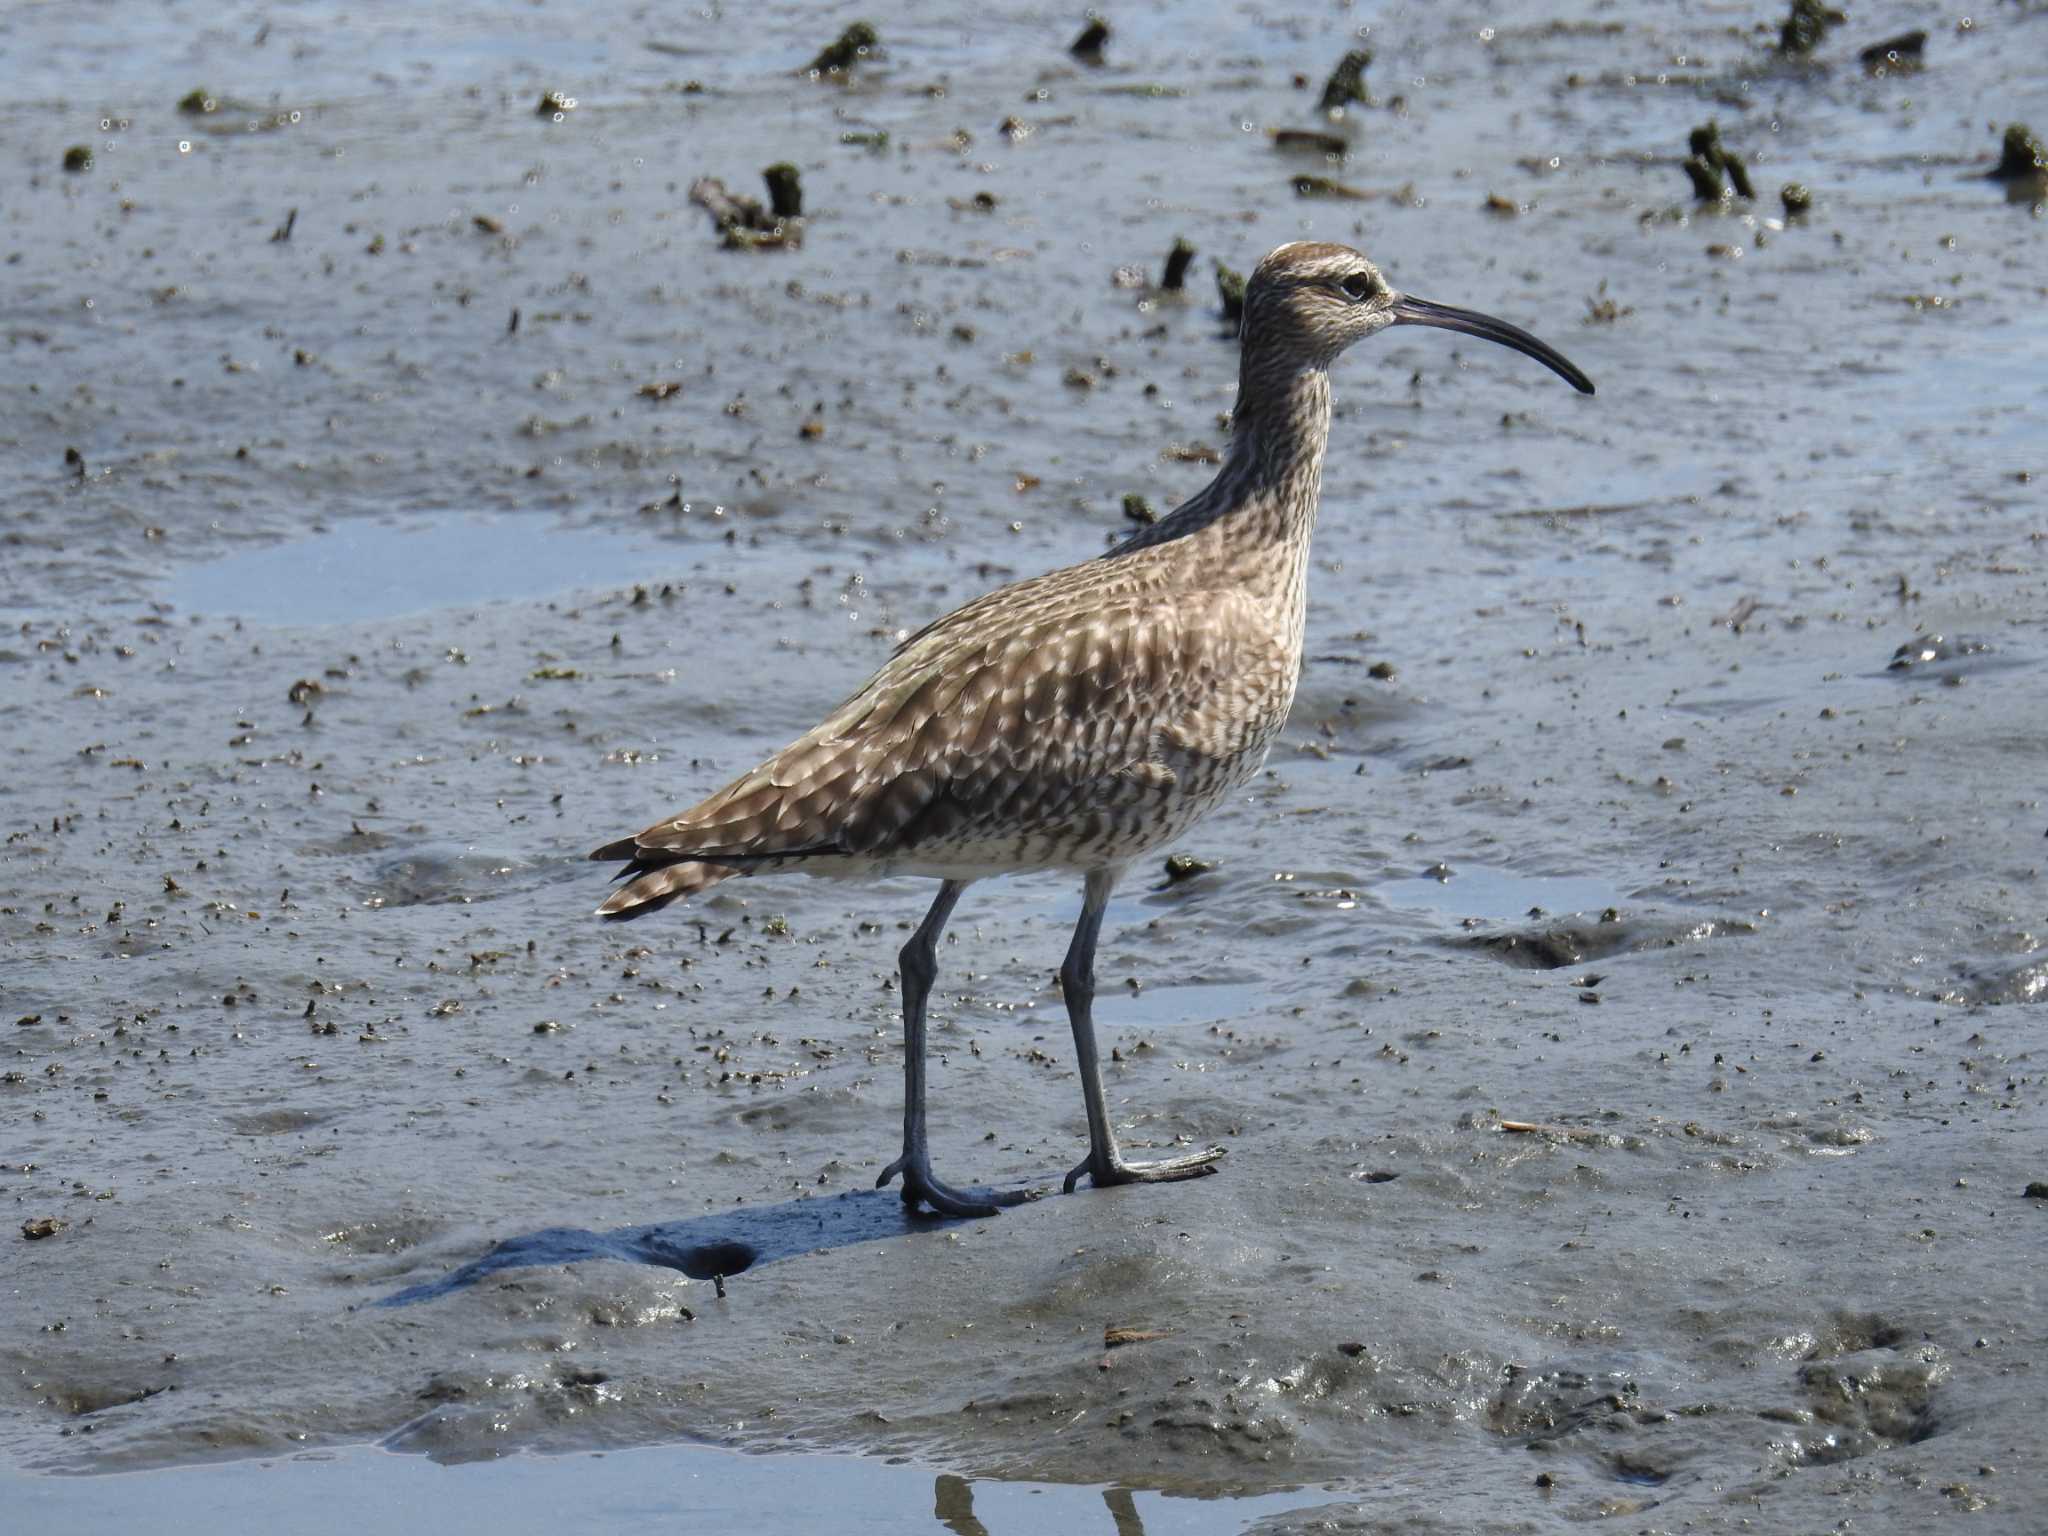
(1475, 891)
(1170, 1006)
(698, 1487)
(358, 571)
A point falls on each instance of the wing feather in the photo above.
(1002, 716)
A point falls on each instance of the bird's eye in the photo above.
(1357, 285)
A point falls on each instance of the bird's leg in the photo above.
(1105, 1164)
(920, 965)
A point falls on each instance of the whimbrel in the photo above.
(1079, 720)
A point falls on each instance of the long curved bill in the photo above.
(1409, 311)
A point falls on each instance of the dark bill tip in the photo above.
(1409, 311)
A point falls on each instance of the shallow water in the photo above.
(363, 613)
(786, 1495)
(363, 571)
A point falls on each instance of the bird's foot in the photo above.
(1114, 1170)
(921, 1186)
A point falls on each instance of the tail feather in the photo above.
(650, 889)
(748, 825)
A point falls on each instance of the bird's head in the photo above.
(1311, 300)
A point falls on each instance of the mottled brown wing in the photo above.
(1070, 728)
(975, 731)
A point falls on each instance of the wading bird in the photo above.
(1079, 720)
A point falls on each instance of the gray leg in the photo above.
(1105, 1164)
(920, 965)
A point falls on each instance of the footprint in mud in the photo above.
(2023, 983)
(1556, 1401)
(279, 1122)
(432, 876)
(1867, 1390)
(1553, 946)
(1548, 1408)
(1946, 656)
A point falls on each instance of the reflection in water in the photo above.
(953, 1504)
(1123, 1509)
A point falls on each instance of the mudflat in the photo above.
(1620, 996)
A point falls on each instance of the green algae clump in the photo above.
(1230, 292)
(1347, 82)
(2020, 154)
(1710, 161)
(1805, 25)
(844, 51)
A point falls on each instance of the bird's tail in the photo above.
(652, 883)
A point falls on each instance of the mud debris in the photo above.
(1895, 55)
(1176, 274)
(1324, 186)
(852, 46)
(2020, 155)
(1093, 39)
(1709, 161)
(744, 223)
(1924, 650)
(1230, 292)
(1806, 24)
(1346, 85)
(1312, 141)
(785, 190)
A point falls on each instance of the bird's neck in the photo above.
(1265, 494)
(1277, 436)
(1249, 528)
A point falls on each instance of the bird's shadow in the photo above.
(717, 1246)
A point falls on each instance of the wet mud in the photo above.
(1620, 995)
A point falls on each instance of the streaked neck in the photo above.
(1266, 492)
